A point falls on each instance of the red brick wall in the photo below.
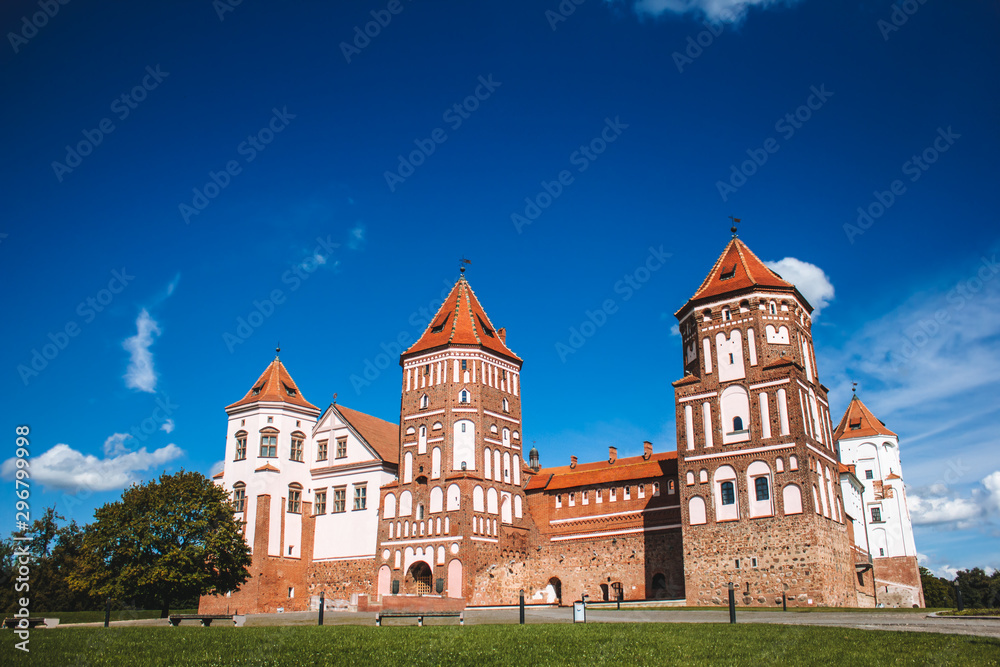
(897, 582)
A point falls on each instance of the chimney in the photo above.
(647, 450)
(502, 333)
(572, 462)
(612, 455)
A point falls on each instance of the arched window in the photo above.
(422, 441)
(506, 405)
(791, 498)
(492, 501)
(454, 497)
(463, 396)
(735, 406)
(410, 431)
(405, 503)
(656, 488)
(727, 314)
(408, 468)
(477, 499)
(487, 463)
(437, 499)
(772, 308)
(464, 445)
(435, 463)
(728, 493)
(239, 497)
(241, 445)
(696, 510)
(670, 487)
(390, 506)
(295, 498)
(760, 487)
(424, 401)
(737, 424)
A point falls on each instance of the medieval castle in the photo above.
(442, 508)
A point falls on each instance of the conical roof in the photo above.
(275, 384)
(739, 269)
(859, 422)
(461, 320)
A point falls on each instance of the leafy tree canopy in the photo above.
(171, 539)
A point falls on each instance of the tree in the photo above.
(169, 540)
(938, 592)
(979, 590)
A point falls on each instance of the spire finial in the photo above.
(854, 388)
(334, 398)
(277, 351)
(735, 222)
(461, 265)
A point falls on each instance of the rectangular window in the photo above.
(294, 501)
(321, 502)
(339, 499)
(877, 514)
(361, 496)
(463, 364)
(322, 448)
(572, 500)
(628, 492)
(239, 499)
(869, 474)
(737, 563)
(341, 448)
(728, 493)
(268, 446)
(613, 494)
(296, 449)
(241, 448)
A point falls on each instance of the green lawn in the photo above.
(593, 644)
(740, 610)
(972, 612)
(98, 616)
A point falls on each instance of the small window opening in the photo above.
(728, 493)
(727, 273)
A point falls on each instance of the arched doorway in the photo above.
(384, 580)
(418, 579)
(605, 593)
(554, 591)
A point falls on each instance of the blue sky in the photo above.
(169, 166)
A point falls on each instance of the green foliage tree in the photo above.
(938, 592)
(979, 590)
(169, 540)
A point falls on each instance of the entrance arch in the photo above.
(384, 579)
(419, 579)
(455, 578)
(553, 592)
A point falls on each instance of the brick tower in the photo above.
(458, 506)
(757, 466)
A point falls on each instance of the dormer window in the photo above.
(856, 425)
(291, 391)
(486, 329)
(727, 273)
(438, 328)
(256, 390)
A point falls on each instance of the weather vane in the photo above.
(462, 263)
(735, 222)
(854, 387)
(334, 398)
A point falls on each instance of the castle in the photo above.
(442, 509)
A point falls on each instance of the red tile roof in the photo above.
(893, 475)
(738, 269)
(602, 472)
(861, 418)
(267, 467)
(461, 320)
(383, 436)
(219, 475)
(274, 384)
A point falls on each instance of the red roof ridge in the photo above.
(458, 323)
(274, 384)
(859, 422)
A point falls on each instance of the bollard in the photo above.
(107, 613)
(322, 605)
(784, 605)
(522, 606)
(958, 597)
(732, 603)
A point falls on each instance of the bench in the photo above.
(206, 619)
(13, 623)
(419, 615)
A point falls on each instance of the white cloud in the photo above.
(115, 444)
(167, 426)
(937, 505)
(675, 330)
(172, 285)
(66, 469)
(809, 278)
(140, 374)
(720, 11)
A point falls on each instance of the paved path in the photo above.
(874, 620)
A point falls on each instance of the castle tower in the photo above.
(760, 499)
(458, 504)
(872, 450)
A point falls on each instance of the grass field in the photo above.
(605, 644)
(972, 612)
(98, 616)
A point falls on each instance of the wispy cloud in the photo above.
(356, 237)
(719, 11)
(811, 280)
(140, 373)
(64, 468)
(115, 444)
(167, 426)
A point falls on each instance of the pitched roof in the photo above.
(602, 472)
(274, 384)
(461, 320)
(383, 436)
(738, 269)
(859, 422)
